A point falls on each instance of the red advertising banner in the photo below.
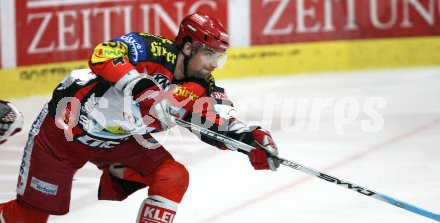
(286, 21)
(1, 64)
(66, 30)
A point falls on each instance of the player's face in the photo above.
(204, 61)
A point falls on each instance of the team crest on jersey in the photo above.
(161, 80)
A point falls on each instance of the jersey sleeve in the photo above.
(158, 59)
(230, 126)
(208, 106)
(111, 60)
(124, 60)
(185, 96)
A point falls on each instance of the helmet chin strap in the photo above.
(185, 64)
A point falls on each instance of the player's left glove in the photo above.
(162, 111)
(263, 156)
(155, 108)
(11, 120)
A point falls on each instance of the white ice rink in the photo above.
(379, 129)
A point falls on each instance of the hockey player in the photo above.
(11, 121)
(105, 117)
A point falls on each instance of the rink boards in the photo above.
(299, 58)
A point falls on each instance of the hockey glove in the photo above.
(162, 109)
(11, 120)
(263, 157)
(155, 108)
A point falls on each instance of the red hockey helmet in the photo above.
(205, 30)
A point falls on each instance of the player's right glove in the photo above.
(263, 157)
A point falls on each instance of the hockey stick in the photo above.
(237, 145)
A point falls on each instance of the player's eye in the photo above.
(210, 55)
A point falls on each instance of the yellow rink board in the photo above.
(286, 59)
(35, 80)
(307, 58)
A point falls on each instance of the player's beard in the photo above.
(201, 74)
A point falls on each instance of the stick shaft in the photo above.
(360, 189)
(348, 185)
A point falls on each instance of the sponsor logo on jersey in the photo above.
(98, 143)
(89, 105)
(86, 109)
(184, 92)
(109, 50)
(117, 130)
(37, 124)
(26, 159)
(161, 80)
(135, 123)
(136, 49)
(68, 116)
(219, 95)
(112, 53)
(45, 187)
(99, 53)
(211, 82)
(161, 38)
(158, 50)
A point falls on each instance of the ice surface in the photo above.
(318, 120)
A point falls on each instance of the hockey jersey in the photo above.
(91, 110)
(87, 104)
